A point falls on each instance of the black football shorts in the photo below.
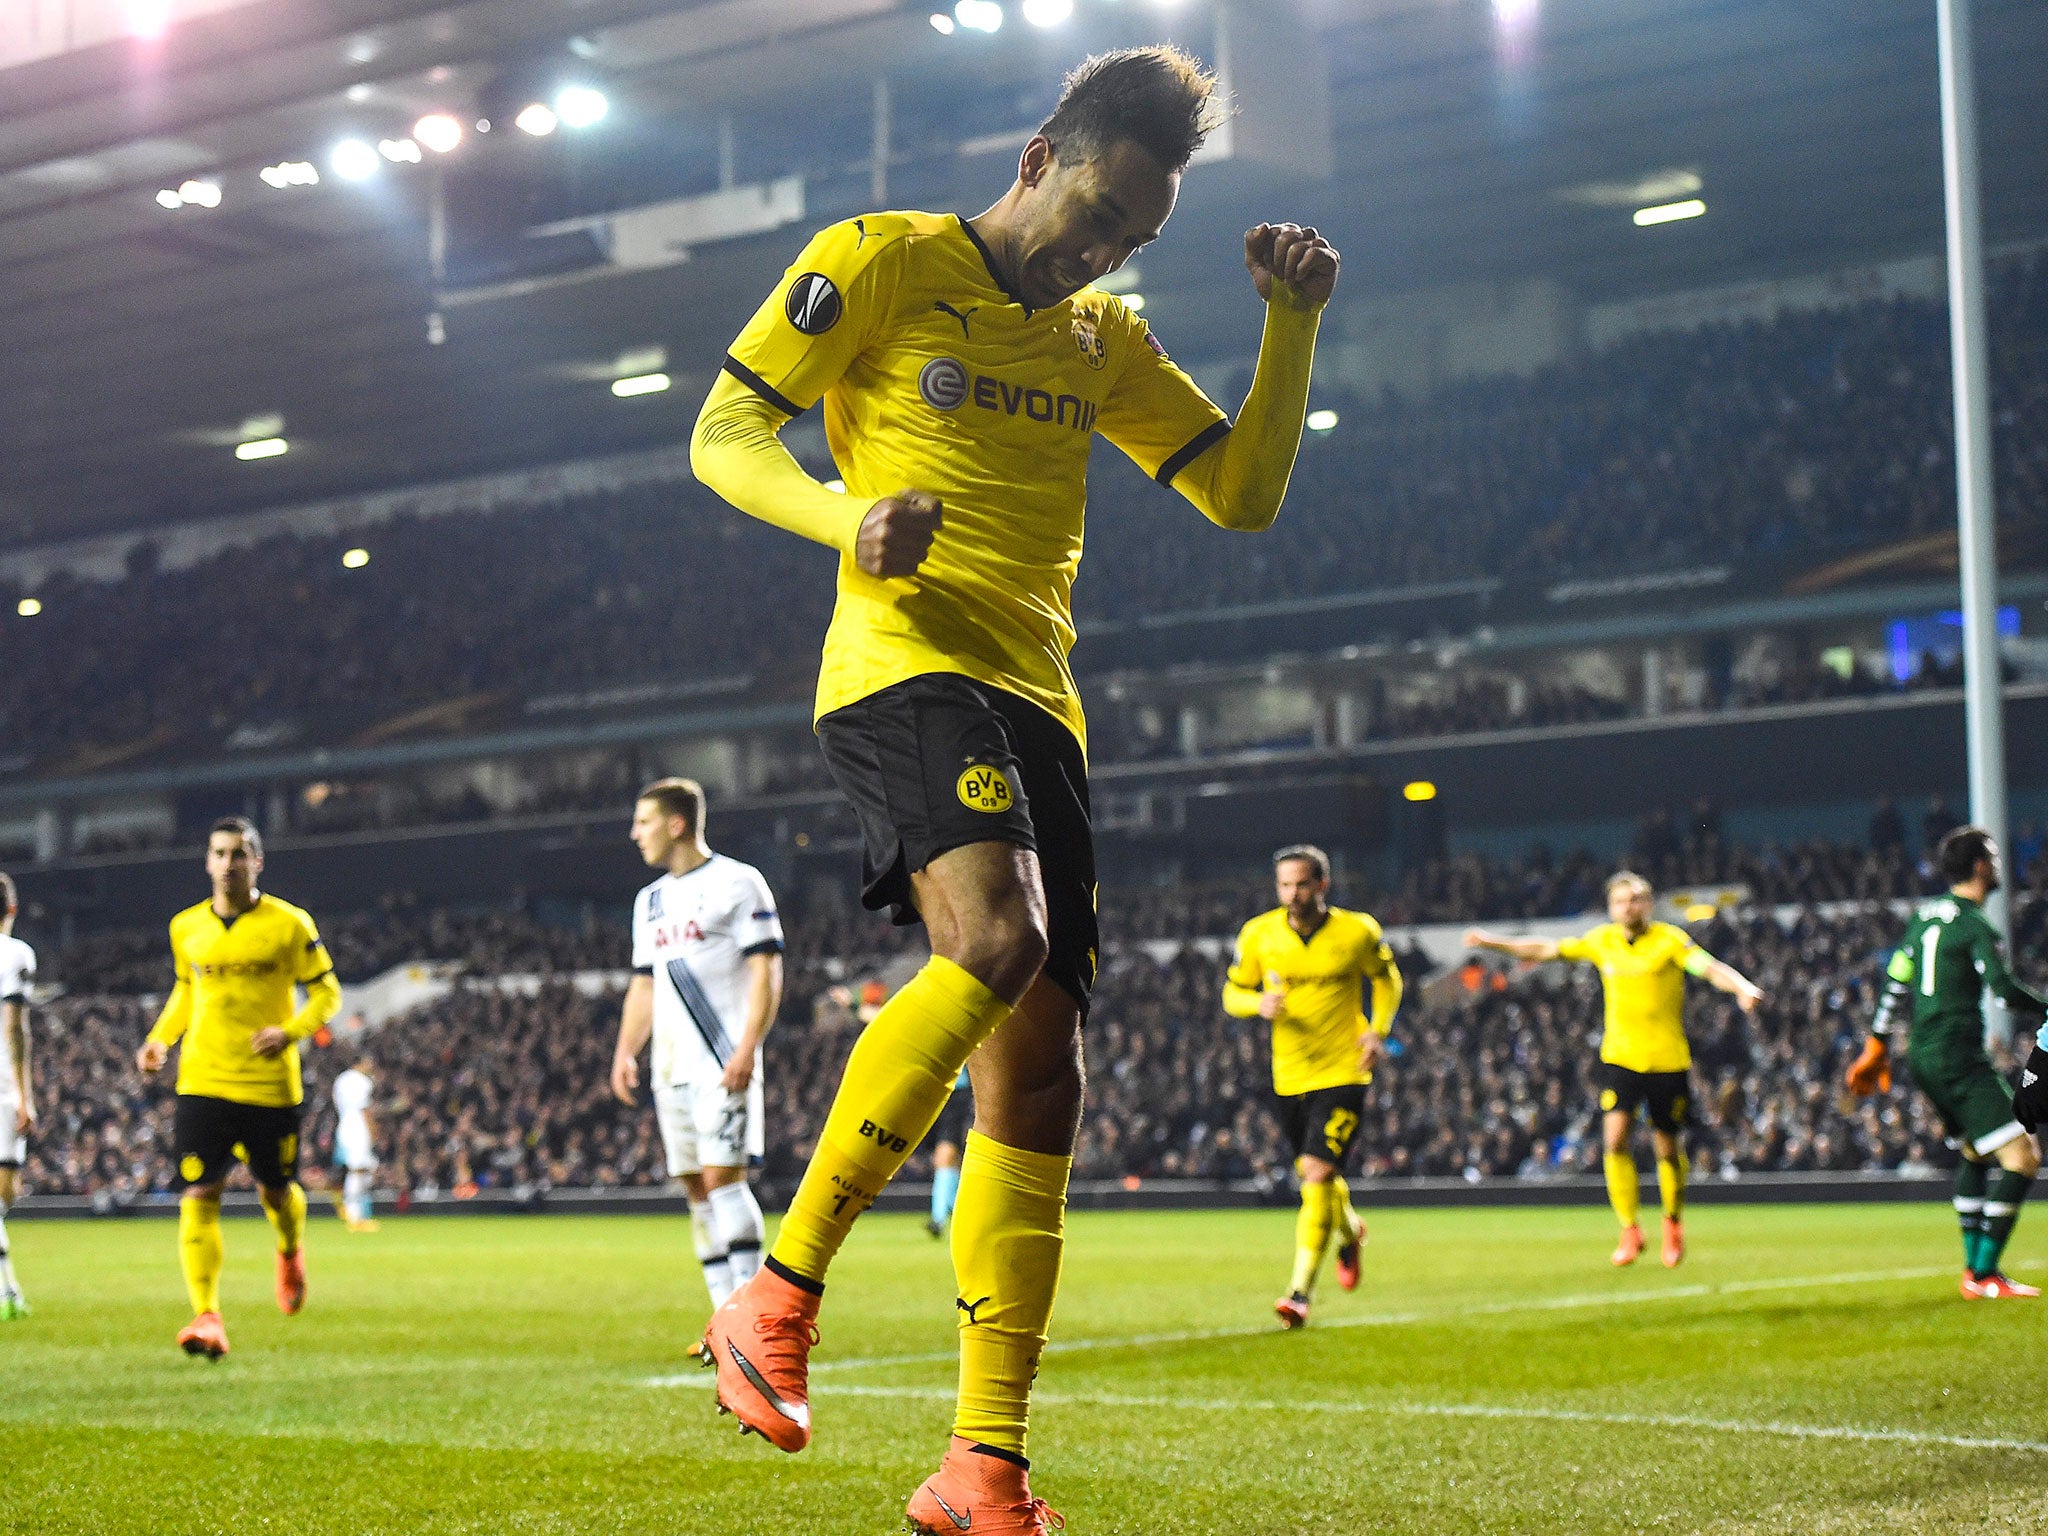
(940, 762)
(1668, 1095)
(209, 1134)
(1324, 1123)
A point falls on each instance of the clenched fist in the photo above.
(897, 533)
(1297, 256)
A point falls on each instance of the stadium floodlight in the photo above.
(942, 24)
(1134, 302)
(1418, 791)
(290, 173)
(581, 106)
(262, 448)
(352, 160)
(1047, 13)
(169, 199)
(148, 19)
(438, 131)
(29, 607)
(536, 118)
(1322, 421)
(355, 559)
(979, 15)
(640, 384)
(1668, 213)
(399, 151)
(200, 194)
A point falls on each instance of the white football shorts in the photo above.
(703, 1126)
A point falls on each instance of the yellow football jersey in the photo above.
(936, 379)
(1644, 983)
(235, 977)
(1315, 1039)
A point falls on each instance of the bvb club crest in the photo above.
(1089, 340)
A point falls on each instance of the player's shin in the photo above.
(7, 1282)
(711, 1254)
(898, 1078)
(200, 1250)
(740, 1229)
(1008, 1238)
(1347, 1219)
(1624, 1191)
(1312, 1227)
(356, 1195)
(1972, 1179)
(1672, 1173)
(2001, 1213)
(286, 1209)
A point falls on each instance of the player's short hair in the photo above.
(244, 828)
(678, 797)
(8, 900)
(1629, 877)
(1306, 853)
(1957, 854)
(1159, 98)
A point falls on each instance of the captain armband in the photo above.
(1697, 962)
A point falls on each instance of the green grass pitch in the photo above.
(1809, 1369)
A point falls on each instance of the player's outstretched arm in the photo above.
(764, 1000)
(1521, 949)
(636, 1023)
(1723, 977)
(1241, 483)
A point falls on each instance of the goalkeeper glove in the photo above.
(1872, 1071)
(2030, 1104)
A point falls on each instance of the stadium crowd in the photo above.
(501, 1084)
(1818, 432)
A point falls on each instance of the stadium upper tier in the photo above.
(1800, 441)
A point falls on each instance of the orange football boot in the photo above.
(204, 1335)
(1348, 1255)
(987, 1495)
(760, 1342)
(1629, 1249)
(1292, 1310)
(1674, 1242)
(1997, 1288)
(291, 1281)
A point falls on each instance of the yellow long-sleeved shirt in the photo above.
(936, 379)
(235, 977)
(1324, 977)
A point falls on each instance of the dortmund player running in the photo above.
(1644, 1057)
(965, 365)
(1305, 967)
(1950, 958)
(237, 959)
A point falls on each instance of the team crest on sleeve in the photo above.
(813, 305)
(654, 905)
(985, 787)
(1089, 340)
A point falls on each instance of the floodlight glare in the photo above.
(290, 173)
(262, 448)
(1667, 213)
(169, 199)
(640, 384)
(148, 19)
(399, 151)
(1134, 302)
(438, 131)
(1047, 13)
(979, 15)
(942, 24)
(580, 106)
(537, 119)
(201, 194)
(28, 607)
(355, 559)
(352, 160)
(1322, 421)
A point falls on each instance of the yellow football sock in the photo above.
(897, 1080)
(1346, 1216)
(200, 1251)
(287, 1216)
(1623, 1191)
(1008, 1235)
(1312, 1228)
(1671, 1184)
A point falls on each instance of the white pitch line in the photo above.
(1483, 1411)
(1591, 1299)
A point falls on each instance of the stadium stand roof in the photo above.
(145, 342)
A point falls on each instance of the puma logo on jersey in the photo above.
(860, 228)
(884, 1136)
(958, 314)
(962, 1304)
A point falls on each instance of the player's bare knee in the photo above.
(1005, 951)
(2021, 1156)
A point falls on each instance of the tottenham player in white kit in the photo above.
(17, 1087)
(355, 1142)
(707, 980)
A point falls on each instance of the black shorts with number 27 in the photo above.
(1324, 1123)
(209, 1134)
(940, 762)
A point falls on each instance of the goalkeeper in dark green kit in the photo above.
(1951, 956)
